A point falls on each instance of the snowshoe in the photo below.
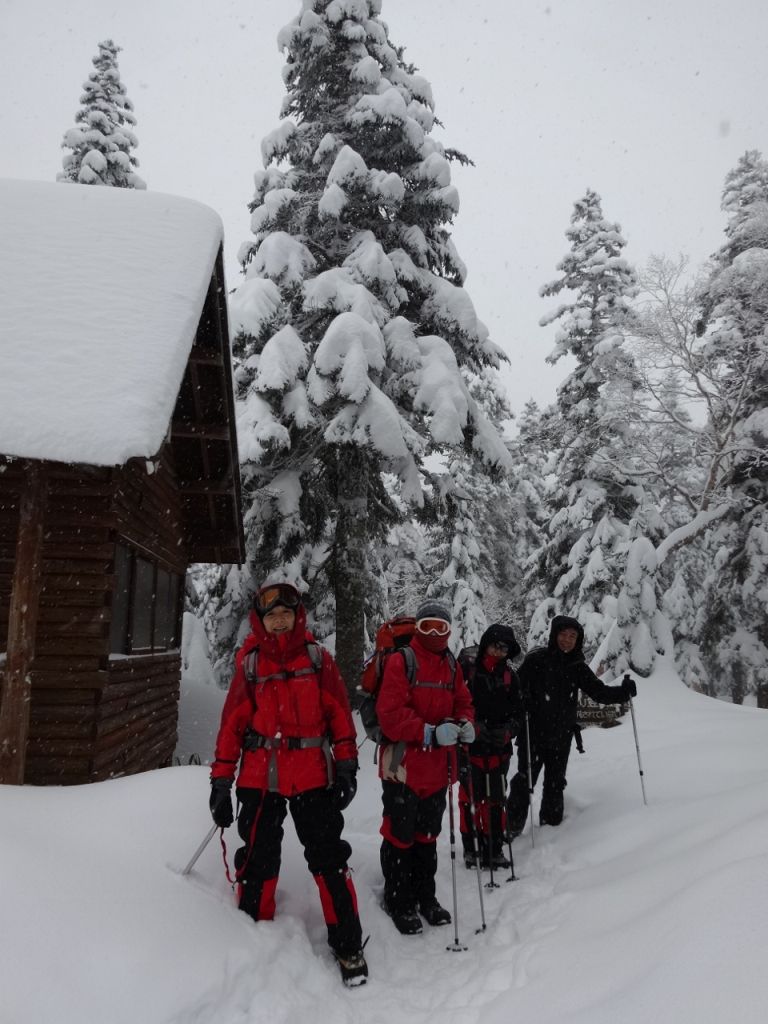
(434, 914)
(470, 861)
(354, 969)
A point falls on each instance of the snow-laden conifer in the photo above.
(353, 323)
(580, 562)
(733, 625)
(102, 142)
(640, 631)
(471, 563)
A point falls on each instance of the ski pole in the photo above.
(637, 748)
(457, 947)
(530, 775)
(209, 836)
(489, 884)
(475, 843)
(512, 877)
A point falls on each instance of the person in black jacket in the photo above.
(551, 678)
(498, 704)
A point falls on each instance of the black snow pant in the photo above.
(410, 827)
(554, 761)
(319, 824)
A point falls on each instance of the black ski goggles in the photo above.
(275, 594)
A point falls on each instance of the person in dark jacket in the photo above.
(423, 718)
(551, 678)
(287, 722)
(499, 714)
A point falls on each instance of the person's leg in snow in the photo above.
(552, 802)
(319, 825)
(424, 860)
(410, 828)
(257, 862)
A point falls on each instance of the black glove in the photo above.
(345, 786)
(628, 687)
(221, 802)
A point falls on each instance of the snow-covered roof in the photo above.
(101, 291)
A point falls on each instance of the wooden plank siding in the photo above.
(94, 717)
(148, 512)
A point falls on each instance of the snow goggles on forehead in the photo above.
(434, 627)
(271, 596)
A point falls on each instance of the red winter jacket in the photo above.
(403, 711)
(281, 708)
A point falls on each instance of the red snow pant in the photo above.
(489, 784)
(319, 824)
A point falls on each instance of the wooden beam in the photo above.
(22, 626)
(207, 486)
(203, 431)
(199, 355)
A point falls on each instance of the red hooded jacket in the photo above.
(283, 708)
(403, 711)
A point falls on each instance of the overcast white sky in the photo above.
(649, 104)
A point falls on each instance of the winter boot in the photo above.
(354, 969)
(434, 914)
(500, 861)
(405, 919)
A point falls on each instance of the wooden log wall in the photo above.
(10, 489)
(148, 512)
(138, 715)
(94, 717)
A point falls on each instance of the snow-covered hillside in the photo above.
(625, 914)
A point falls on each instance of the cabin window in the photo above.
(121, 600)
(142, 602)
(145, 605)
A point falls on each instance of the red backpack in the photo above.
(392, 636)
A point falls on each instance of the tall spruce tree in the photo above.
(354, 323)
(102, 143)
(733, 626)
(581, 561)
(470, 563)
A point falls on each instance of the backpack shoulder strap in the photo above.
(315, 652)
(410, 663)
(454, 664)
(251, 661)
(251, 665)
(411, 666)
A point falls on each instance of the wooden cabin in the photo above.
(118, 468)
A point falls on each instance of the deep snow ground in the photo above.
(625, 914)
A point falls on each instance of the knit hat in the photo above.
(433, 610)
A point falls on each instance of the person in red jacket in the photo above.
(423, 717)
(287, 722)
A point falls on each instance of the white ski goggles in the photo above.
(433, 627)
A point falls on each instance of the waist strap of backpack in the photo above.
(253, 741)
(257, 741)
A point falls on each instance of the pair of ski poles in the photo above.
(457, 946)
